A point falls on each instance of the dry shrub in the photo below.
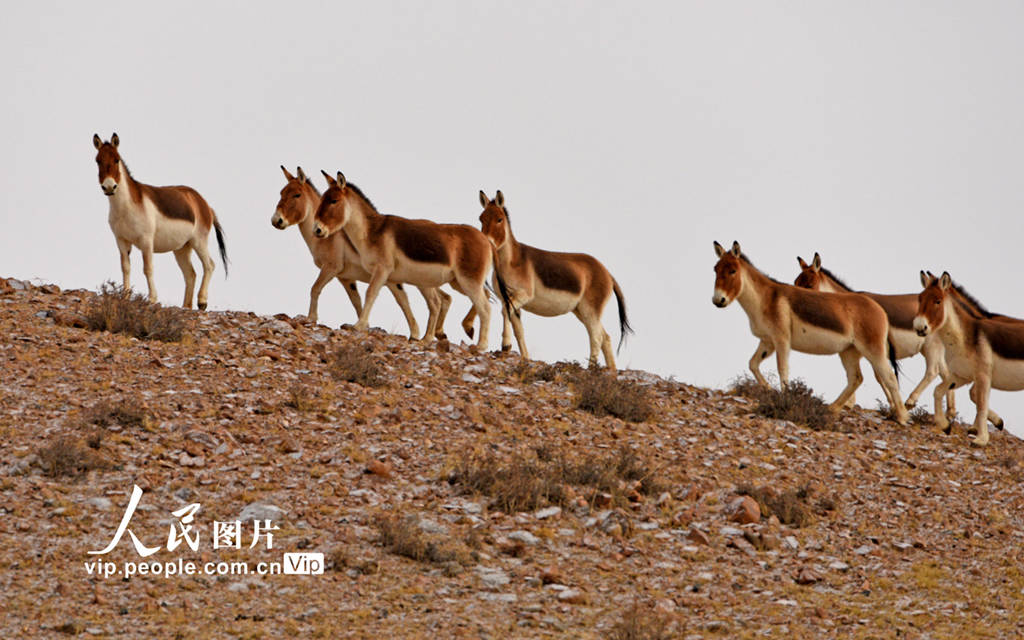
(67, 456)
(105, 414)
(402, 535)
(305, 398)
(791, 507)
(523, 483)
(355, 363)
(119, 311)
(641, 623)
(918, 415)
(796, 403)
(529, 372)
(602, 393)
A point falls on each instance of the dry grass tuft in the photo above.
(521, 482)
(67, 456)
(641, 623)
(356, 363)
(791, 507)
(402, 535)
(602, 393)
(529, 372)
(305, 398)
(105, 414)
(918, 415)
(119, 311)
(796, 403)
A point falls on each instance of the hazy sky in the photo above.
(889, 136)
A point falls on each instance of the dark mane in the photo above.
(359, 192)
(971, 303)
(313, 187)
(835, 279)
(744, 258)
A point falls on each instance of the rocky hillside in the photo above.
(464, 495)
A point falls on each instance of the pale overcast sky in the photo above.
(889, 136)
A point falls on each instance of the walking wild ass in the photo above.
(336, 257)
(900, 309)
(157, 220)
(786, 317)
(419, 252)
(549, 284)
(988, 351)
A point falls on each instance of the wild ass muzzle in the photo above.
(986, 351)
(549, 284)
(418, 252)
(337, 258)
(786, 317)
(157, 220)
(900, 309)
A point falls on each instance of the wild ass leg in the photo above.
(993, 417)
(764, 349)
(886, 377)
(607, 350)
(446, 301)
(782, 363)
(184, 258)
(398, 292)
(203, 251)
(946, 385)
(125, 248)
(433, 309)
(596, 333)
(147, 269)
(352, 291)
(377, 280)
(850, 358)
(980, 394)
(326, 275)
(933, 353)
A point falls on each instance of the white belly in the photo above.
(906, 343)
(551, 302)
(811, 339)
(422, 274)
(1007, 375)
(137, 225)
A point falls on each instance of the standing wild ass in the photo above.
(157, 220)
(549, 284)
(988, 351)
(786, 317)
(419, 252)
(900, 309)
(335, 255)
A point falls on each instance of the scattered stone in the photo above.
(524, 536)
(470, 378)
(698, 536)
(806, 576)
(432, 526)
(572, 596)
(552, 575)
(549, 512)
(492, 578)
(379, 468)
(744, 510)
(260, 511)
(838, 566)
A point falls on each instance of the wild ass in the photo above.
(549, 284)
(419, 252)
(337, 258)
(988, 351)
(786, 317)
(157, 220)
(900, 309)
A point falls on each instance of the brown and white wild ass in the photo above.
(337, 258)
(900, 309)
(988, 351)
(549, 284)
(418, 252)
(157, 220)
(786, 317)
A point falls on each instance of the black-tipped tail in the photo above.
(624, 326)
(893, 361)
(220, 245)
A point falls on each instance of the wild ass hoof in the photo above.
(441, 335)
(202, 306)
(506, 347)
(972, 430)
(347, 326)
(910, 404)
(948, 429)
(1000, 425)
(469, 331)
(978, 442)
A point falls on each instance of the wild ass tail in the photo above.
(624, 327)
(220, 244)
(892, 360)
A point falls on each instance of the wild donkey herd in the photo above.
(351, 241)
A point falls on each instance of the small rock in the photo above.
(492, 578)
(807, 575)
(498, 597)
(552, 575)
(470, 378)
(100, 502)
(431, 526)
(186, 460)
(259, 511)
(744, 510)
(524, 536)
(838, 565)
(549, 512)
(572, 596)
(602, 500)
(863, 550)
(379, 468)
(698, 536)
(791, 542)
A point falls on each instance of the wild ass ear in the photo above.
(287, 175)
(96, 142)
(302, 175)
(484, 200)
(114, 140)
(736, 248)
(341, 180)
(330, 179)
(500, 198)
(800, 261)
(925, 279)
(945, 281)
(719, 249)
(816, 263)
